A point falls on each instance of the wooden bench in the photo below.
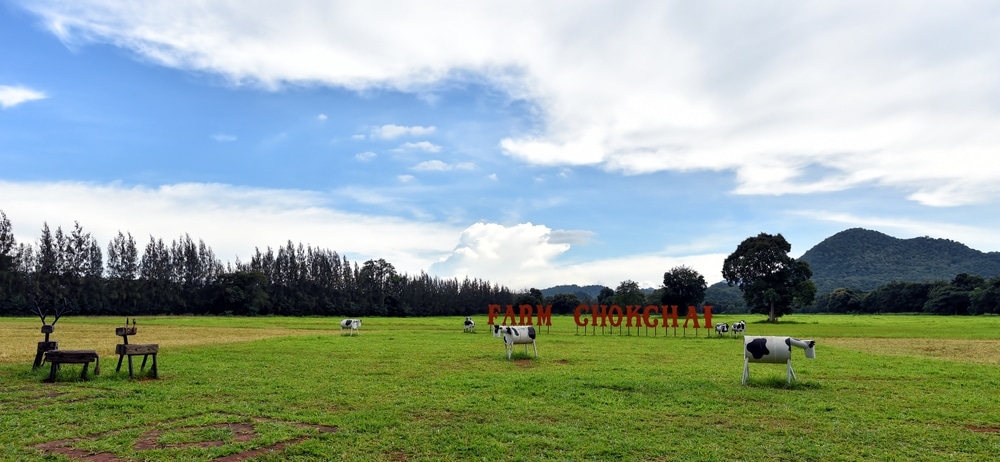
(85, 357)
(146, 350)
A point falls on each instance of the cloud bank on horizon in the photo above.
(863, 113)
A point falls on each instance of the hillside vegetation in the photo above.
(864, 260)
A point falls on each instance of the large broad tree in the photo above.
(772, 282)
(683, 286)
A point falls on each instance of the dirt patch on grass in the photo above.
(970, 351)
(983, 429)
(201, 436)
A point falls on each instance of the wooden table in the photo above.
(85, 357)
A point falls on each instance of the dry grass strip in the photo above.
(19, 340)
(961, 350)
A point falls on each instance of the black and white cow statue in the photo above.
(739, 327)
(516, 335)
(352, 324)
(721, 328)
(470, 325)
(758, 349)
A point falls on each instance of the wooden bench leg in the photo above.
(83, 373)
(131, 375)
(143, 366)
(52, 373)
(119, 368)
(156, 372)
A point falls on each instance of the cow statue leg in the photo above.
(746, 370)
(791, 373)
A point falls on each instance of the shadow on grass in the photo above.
(782, 383)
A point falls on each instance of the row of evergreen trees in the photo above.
(69, 270)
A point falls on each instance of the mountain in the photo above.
(591, 291)
(858, 259)
(864, 259)
(584, 292)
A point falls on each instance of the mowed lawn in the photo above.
(880, 388)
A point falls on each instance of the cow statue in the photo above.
(721, 328)
(352, 324)
(516, 335)
(739, 327)
(758, 349)
(470, 325)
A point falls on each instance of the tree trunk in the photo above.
(771, 317)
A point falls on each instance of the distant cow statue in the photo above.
(773, 350)
(516, 335)
(721, 328)
(470, 325)
(352, 325)
(739, 327)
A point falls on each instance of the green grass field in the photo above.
(880, 388)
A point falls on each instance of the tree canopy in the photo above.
(683, 286)
(771, 281)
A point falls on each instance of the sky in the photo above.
(526, 143)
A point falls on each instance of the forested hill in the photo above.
(864, 259)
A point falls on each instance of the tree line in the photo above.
(71, 270)
(965, 294)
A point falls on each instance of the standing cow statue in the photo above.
(739, 327)
(470, 325)
(352, 324)
(516, 335)
(721, 328)
(773, 350)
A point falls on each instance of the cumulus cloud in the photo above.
(528, 255)
(223, 138)
(11, 96)
(793, 98)
(389, 132)
(321, 117)
(365, 156)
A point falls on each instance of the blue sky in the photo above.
(526, 143)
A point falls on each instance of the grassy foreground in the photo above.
(880, 388)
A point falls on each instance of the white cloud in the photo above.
(11, 96)
(527, 255)
(492, 177)
(389, 132)
(794, 98)
(365, 156)
(223, 138)
(321, 117)
(440, 166)
(232, 220)
(405, 178)
(419, 146)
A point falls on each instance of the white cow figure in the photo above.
(516, 335)
(758, 349)
(721, 328)
(739, 327)
(470, 325)
(352, 324)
